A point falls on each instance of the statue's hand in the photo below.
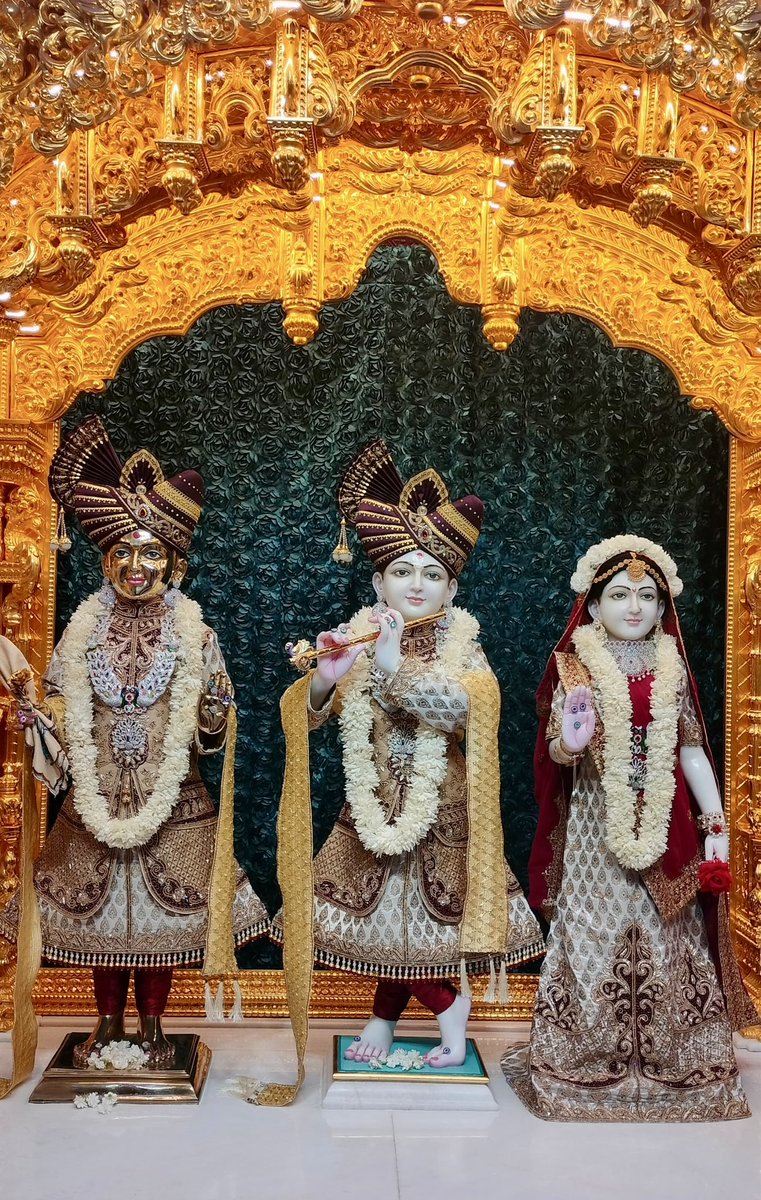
(717, 847)
(25, 714)
(332, 667)
(388, 648)
(578, 719)
(214, 702)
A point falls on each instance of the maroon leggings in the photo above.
(152, 985)
(392, 995)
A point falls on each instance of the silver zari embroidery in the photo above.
(129, 743)
(131, 698)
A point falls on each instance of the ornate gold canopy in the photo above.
(577, 158)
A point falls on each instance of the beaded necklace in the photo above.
(635, 659)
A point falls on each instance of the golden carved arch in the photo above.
(424, 58)
(634, 283)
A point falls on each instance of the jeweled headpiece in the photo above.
(392, 517)
(113, 500)
(637, 556)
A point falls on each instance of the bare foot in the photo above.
(151, 1038)
(108, 1029)
(452, 1026)
(374, 1041)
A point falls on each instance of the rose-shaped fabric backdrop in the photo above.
(567, 439)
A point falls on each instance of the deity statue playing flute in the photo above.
(411, 886)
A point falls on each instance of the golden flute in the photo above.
(301, 654)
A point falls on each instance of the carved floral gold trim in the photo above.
(67, 991)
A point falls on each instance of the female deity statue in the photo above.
(639, 991)
(411, 886)
(137, 872)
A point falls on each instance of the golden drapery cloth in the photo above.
(484, 923)
(24, 1037)
(219, 955)
(484, 919)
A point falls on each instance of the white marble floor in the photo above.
(224, 1149)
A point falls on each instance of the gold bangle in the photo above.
(566, 755)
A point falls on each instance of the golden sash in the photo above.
(484, 924)
(24, 1036)
(219, 956)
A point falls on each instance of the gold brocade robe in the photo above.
(399, 916)
(148, 905)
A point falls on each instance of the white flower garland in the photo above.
(429, 759)
(635, 844)
(124, 833)
(589, 563)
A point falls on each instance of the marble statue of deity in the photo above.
(411, 887)
(137, 873)
(639, 991)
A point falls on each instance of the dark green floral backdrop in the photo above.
(565, 438)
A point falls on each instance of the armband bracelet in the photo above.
(713, 824)
(378, 678)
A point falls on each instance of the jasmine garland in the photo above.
(429, 759)
(636, 843)
(124, 833)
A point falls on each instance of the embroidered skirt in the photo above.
(630, 1022)
(400, 939)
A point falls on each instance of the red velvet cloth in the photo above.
(682, 845)
(111, 985)
(553, 783)
(152, 987)
(392, 996)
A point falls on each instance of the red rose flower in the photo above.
(714, 876)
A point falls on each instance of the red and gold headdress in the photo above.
(113, 500)
(393, 517)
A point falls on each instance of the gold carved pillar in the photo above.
(8, 334)
(26, 599)
(545, 106)
(752, 830)
(182, 148)
(290, 122)
(302, 243)
(500, 267)
(742, 264)
(743, 705)
(80, 237)
(649, 180)
(753, 598)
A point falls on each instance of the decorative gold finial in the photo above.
(61, 542)
(342, 554)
